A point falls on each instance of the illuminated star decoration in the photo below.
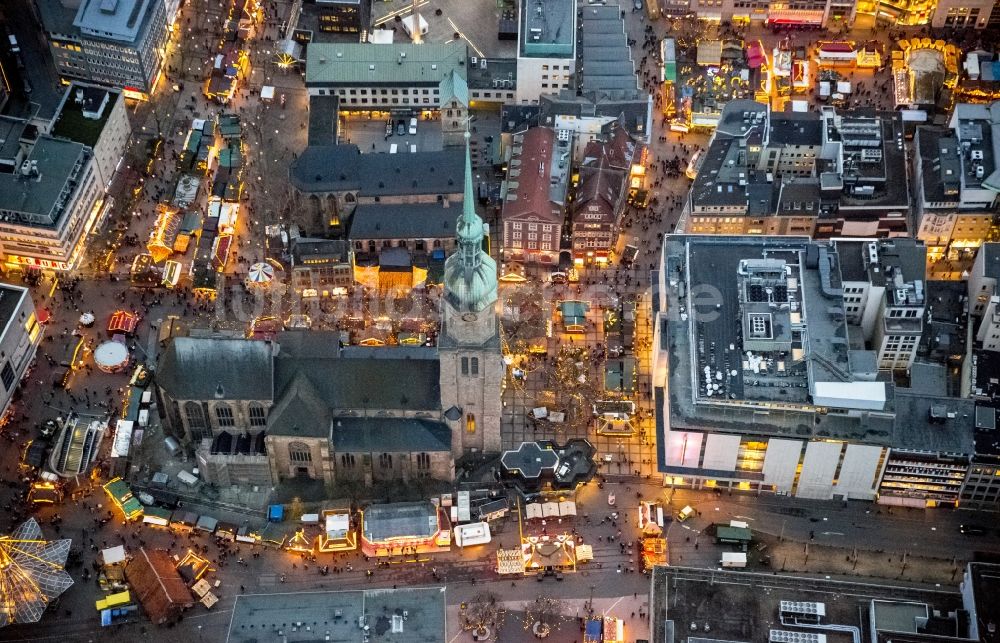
(31, 573)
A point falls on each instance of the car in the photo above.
(413, 126)
(401, 128)
(972, 530)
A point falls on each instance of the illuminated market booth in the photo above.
(158, 586)
(404, 528)
(121, 495)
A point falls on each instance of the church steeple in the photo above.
(470, 275)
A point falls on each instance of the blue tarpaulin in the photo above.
(276, 513)
(594, 631)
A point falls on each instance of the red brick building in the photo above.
(537, 178)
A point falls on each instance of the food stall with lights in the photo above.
(121, 495)
(404, 528)
(338, 533)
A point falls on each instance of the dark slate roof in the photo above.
(359, 377)
(384, 434)
(323, 120)
(403, 221)
(991, 260)
(305, 248)
(194, 368)
(301, 411)
(336, 168)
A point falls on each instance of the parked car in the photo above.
(401, 128)
(413, 126)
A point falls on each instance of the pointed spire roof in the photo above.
(470, 274)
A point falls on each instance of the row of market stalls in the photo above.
(212, 151)
(232, 60)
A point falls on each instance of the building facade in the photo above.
(54, 193)
(118, 43)
(321, 267)
(21, 335)
(533, 209)
(546, 48)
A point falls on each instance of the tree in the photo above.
(542, 615)
(483, 616)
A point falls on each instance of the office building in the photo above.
(118, 43)
(546, 48)
(825, 175)
(399, 78)
(343, 16)
(533, 209)
(21, 335)
(984, 298)
(792, 402)
(799, 13)
(885, 295)
(52, 187)
(956, 181)
(388, 614)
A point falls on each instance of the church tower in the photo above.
(472, 367)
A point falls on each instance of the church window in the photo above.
(465, 366)
(385, 461)
(423, 461)
(224, 415)
(475, 366)
(299, 452)
(470, 423)
(258, 414)
(195, 420)
(347, 460)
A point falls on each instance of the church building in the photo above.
(303, 406)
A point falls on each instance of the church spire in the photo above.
(470, 273)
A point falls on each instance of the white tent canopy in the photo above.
(533, 510)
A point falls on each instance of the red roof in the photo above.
(532, 178)
(221, 251)
(157, 585)
(122, 321)
(836, 46)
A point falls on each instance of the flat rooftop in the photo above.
(741, 606)
(364, 64)
(33, 200)
(114, 19)
(398, 616)
(10, 298)
(72, 124)
(774, 399)
(546, 28)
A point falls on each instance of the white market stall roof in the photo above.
(113, 555)
(267, 92)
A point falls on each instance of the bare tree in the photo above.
(483, 616)
(543, 615)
